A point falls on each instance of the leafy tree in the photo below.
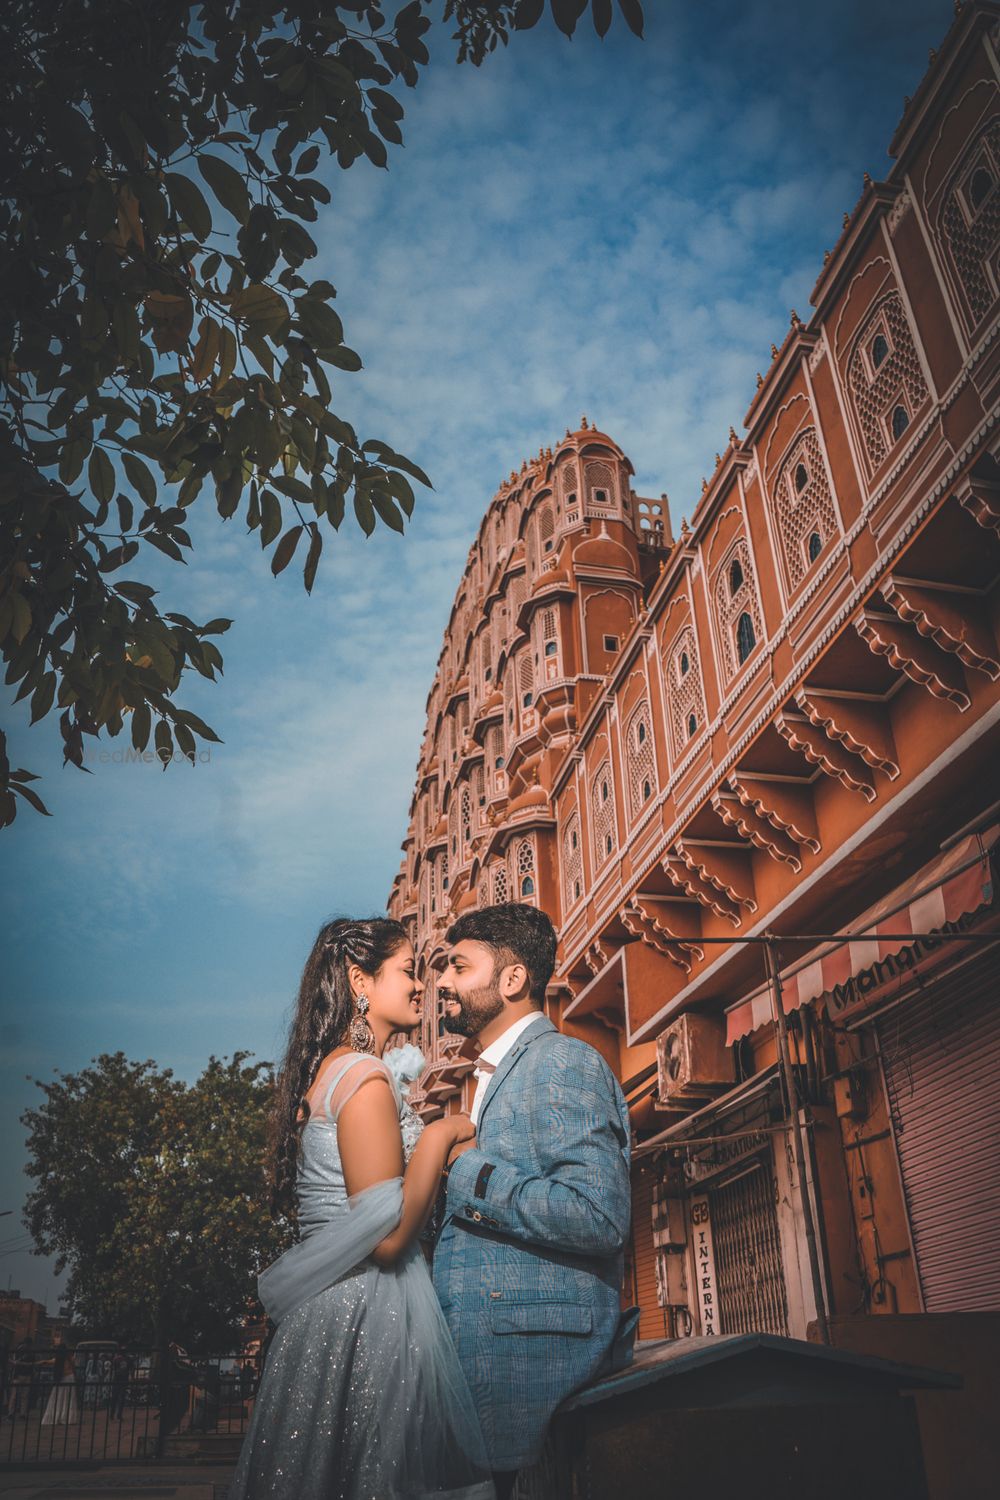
(158, 334)
(153, 1194)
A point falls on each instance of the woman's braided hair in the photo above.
(323, 1013)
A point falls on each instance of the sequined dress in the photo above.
(362, 1396)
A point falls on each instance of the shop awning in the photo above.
(952, 886)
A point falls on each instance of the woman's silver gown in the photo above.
(362, 1396)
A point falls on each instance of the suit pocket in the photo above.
(540, 1317)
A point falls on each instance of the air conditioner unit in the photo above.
(668, 1219)
(671, 1278)
(693, 1061)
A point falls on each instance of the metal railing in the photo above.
(124, 1405)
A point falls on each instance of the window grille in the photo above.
(498, 875)
(801, 509)
(731, 607)
(572, 860)
(875, 392)
(603, 803)
(639, 744)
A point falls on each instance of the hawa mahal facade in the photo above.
(784, 719)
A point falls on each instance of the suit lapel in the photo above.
(528, 1035)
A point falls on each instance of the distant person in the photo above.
(20, 1398)
(120, 1375)
(61, 1409)
(529, 1264)
(361, 1396)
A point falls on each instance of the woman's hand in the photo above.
(464, 1129)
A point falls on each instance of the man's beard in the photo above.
(476, 1010)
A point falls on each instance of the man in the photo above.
(528, 1266)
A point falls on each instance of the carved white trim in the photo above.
(898, 212)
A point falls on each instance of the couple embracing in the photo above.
(381, 1384)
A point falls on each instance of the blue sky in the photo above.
(618, 229)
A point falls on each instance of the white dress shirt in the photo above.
(494, 1054)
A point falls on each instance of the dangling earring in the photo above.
(361, 1034)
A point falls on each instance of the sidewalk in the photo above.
(117, 1482)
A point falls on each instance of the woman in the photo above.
(362, 1397)
(61, 1409)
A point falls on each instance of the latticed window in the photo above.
(550, 639)
(970, 217)
(602, 798)
(498, 880)
(572, 862)
(600, 481)
(546, 529)
(524, 865)
(518, 593)
(443, 861)
(525, 680)
(639, 754)
(483, 891)
(465, 819)
(687, 704)
(803, 506)
(732, 606)
(875, 392)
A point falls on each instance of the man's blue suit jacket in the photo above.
(528, 1266)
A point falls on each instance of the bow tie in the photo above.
(484, 1067)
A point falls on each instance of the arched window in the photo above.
(815, 546)
(745, 638)
(640, 767)
(880, 349)
(551, 647)
(685, 664)
(900, 422)
(735, 575)
(692, 725)
(980, 187)
(603, 822)
(498, 763)
(526, 700)
(525, 863)
(801, 478)
(572, 860)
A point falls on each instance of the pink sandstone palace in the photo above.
(784, 720)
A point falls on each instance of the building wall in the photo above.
(765, 724)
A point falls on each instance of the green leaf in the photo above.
(227, 184)
(390, 515)
(189, 204)
(408, 467)
(185, 716)
(33, 799)
(365, 514)
(312, 560)
(262, 307)
(270, 523)
(139, 477)
(402, 491)
(343, 358)
(163, 741)
(632, 11)
(320, 324)
(135, 593)
(21, 616)
(42, 697)
(215, 627)
(101, 475)
(285, 550)
(140, 726)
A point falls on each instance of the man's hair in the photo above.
(518, 934)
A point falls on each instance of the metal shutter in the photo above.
(941, 1059)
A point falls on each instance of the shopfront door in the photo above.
(747, 1247)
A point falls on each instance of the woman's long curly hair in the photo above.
(323, 1012)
